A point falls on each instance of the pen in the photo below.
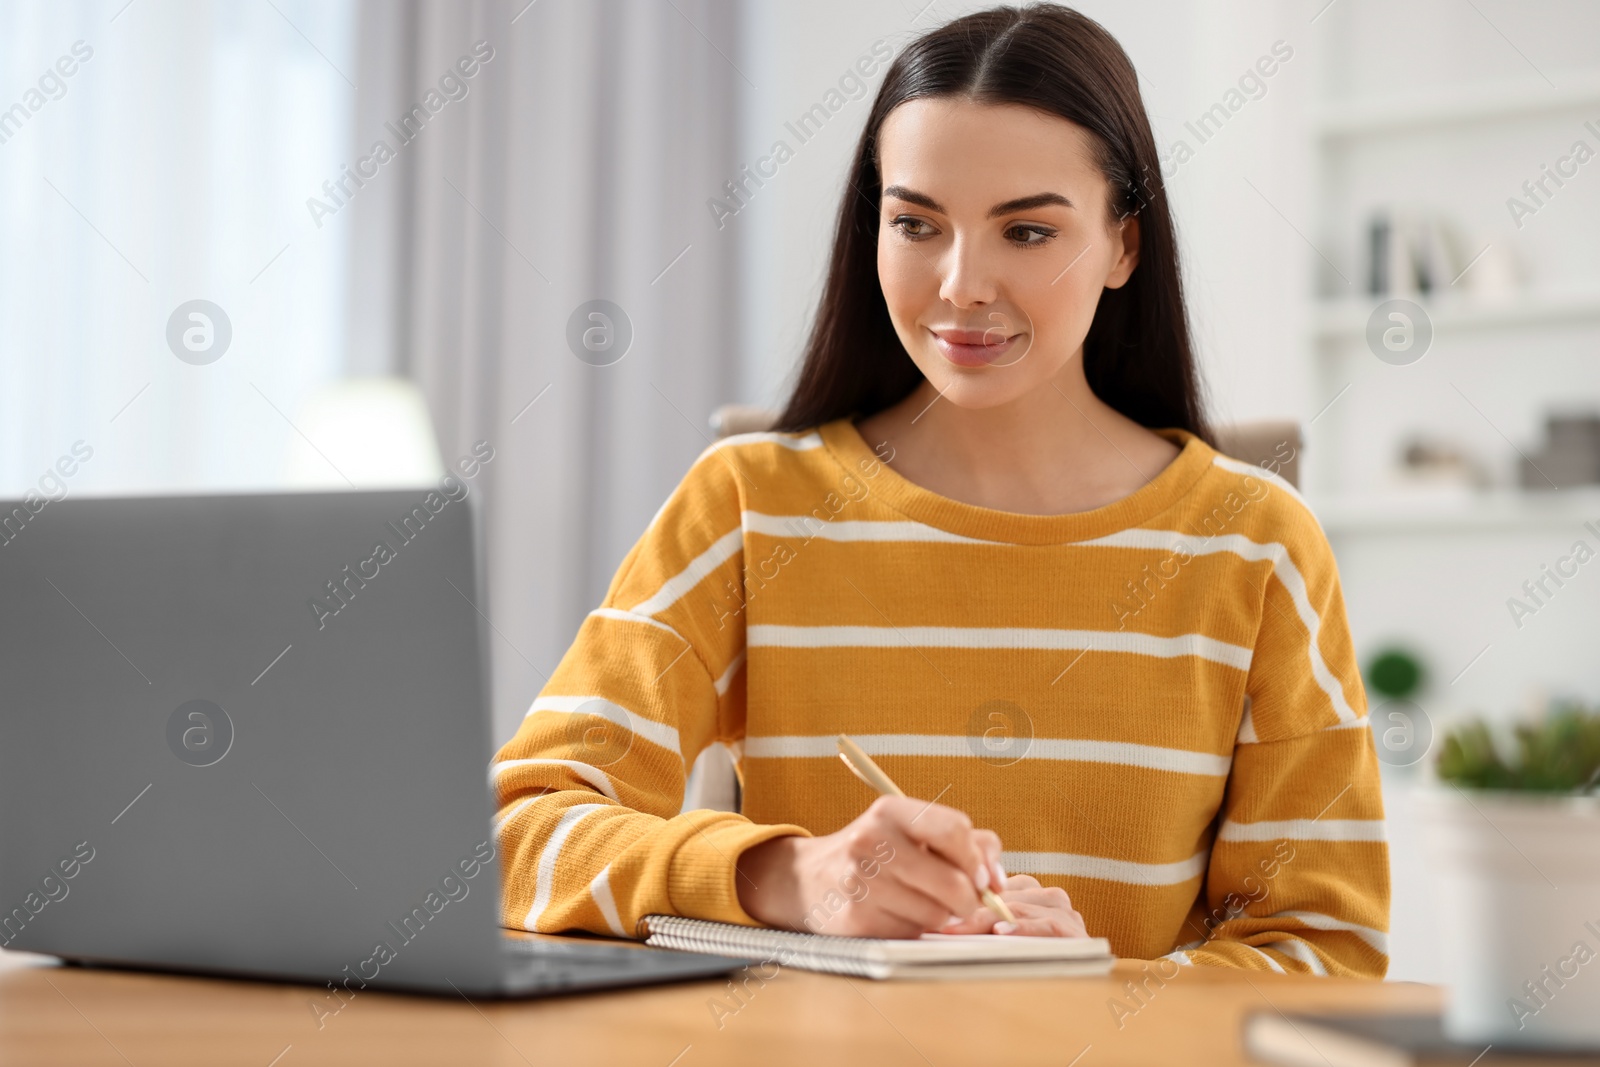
(862, 767)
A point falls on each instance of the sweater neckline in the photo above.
(844, 441)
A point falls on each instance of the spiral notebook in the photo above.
(929, 956)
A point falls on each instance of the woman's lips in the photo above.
(966, 348)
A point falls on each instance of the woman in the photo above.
(990, 540)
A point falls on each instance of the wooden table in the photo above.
(52, 1014)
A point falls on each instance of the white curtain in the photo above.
(574, 166)
(154, 154)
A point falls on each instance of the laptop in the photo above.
(249, 735)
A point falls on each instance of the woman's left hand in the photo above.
(1040, 912)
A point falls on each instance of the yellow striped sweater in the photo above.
(1155, 704)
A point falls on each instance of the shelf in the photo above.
(1433, 511)
(1344, 319)
(1459, 104)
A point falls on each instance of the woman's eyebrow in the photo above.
(1028, 203)
(1021, 203)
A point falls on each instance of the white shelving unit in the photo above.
(1430, 512)
(1346, 320)
(1446, 571)
(1417, 148)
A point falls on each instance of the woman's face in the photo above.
(994, 243)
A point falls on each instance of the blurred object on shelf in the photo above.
(1494, 277)
(1395, 672)
(1570, 454)
(1380, 244)
(1432, 461)
(1417, 252)
(1407, 251)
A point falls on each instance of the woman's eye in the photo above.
(1030, 236)
(904, 224)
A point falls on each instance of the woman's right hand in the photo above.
(903, 867)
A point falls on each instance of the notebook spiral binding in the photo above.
(812, 952)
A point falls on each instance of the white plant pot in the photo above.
(1517, 877)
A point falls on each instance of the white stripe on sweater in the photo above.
(998, 638)
(722, 549)
(1247, 726)
(600, 890)
(657, 733)
(801, 443)
(516, 809)
(632, 616)
(1304, 830)
(1299, 950)
(545, 875)
(1283, 567)
(1272, 963)
(853, 530)
(1277, 481)
(1108, 870)
(1295, 584)
(726, 680)
(593, 775)
(1318, 921)
(947, 746)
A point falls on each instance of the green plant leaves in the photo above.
(1395, 673)
(1559, 754)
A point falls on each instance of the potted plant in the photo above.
(1513, 832)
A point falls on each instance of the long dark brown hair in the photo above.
(1137, 355)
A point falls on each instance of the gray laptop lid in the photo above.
(249, 734)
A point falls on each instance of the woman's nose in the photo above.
(967, 279)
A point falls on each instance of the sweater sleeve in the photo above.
(590, 788)
(1298, 878)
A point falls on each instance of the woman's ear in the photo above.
(1122, 269)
